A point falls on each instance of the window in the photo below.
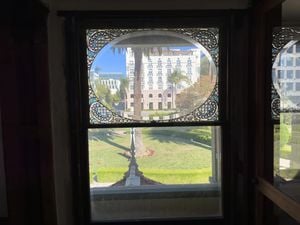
(160, 105)
(297, 74)
(289, 74)
(158, 152)
(150, 105)
(285, 116)
(280, 74)
(298, 61)
(290, 49)
(289, 86)
(289, 60)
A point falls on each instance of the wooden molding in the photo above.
(287, 204)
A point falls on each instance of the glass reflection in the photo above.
(177, 72)
(287, 132)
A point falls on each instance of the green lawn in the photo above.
(285, 151)
(176, 160)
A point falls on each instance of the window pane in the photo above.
(181, 64)
(287, 155)
(297, 74)
(146, 164)
(289, 60)
(289, 74)
(298, 61)
(287, 131)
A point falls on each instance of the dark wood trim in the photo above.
(268, 5)
(3, 221)
(265, 15)
(287, 204)
(26, 116)
(238, 80)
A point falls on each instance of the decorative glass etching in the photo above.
(283, 63)
(144, 75)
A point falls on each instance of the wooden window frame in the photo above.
(231, 23)
(266, 15)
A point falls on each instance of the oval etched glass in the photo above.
(146, 75)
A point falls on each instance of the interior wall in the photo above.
(291, 12)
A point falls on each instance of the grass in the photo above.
(176, 160)
(165, 176)
(285, 151)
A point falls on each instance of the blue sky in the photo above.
(108, 61)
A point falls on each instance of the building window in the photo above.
(298, 61)
(150, 105)
(297, 74)
(160, 105)
(280, 74)
(289, 60)
(169, 105)
(289, 74)
(289, 86)
(139, 155)
(290, 49)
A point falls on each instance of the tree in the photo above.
(122, 93)
(138, 50)
(105, 95)
(175, 78)
(195, 95)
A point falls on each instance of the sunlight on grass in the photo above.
(175, 159)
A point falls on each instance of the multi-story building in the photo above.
(110, 80)
(157, 92)
(286, 74)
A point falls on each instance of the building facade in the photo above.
(286, 75)
(157, 92)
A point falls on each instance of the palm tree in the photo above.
(175, 78)
(124, 83)
(138, 53)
